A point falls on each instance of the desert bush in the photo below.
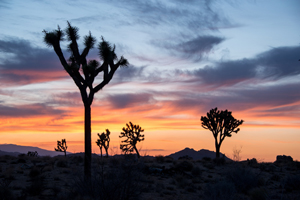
(206, 159)
(221, 190)
(21, 160)
(181, 181)
(160, 159)
(196, 171)
(5, 191)
(120, 182)
(169, 159)
(219, 161)
(36, 187)
(291, 183)
(77, 159)
(34, 172)
(258, 194)
(62, 163)
(243, 179)
(184, 166)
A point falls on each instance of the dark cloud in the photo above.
(191, 15)
(275, 99)
(194, 48)
(25, 63)
(129, 100)
(125, 74)
(273, 64)
(68, 99)
(28, 57)
(28, 110)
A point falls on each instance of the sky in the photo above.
(186, 58)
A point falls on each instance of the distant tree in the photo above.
(84, 72)
(221, 124)
(133, 135)
(62, 146)
(32, 153)
(103, 141)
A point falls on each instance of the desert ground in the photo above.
(147, 178)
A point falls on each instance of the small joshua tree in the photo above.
(62, 146)
(132, 133)
(32, 153)
(221, 124)
(103, 141)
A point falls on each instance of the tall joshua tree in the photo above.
(62, 146)
(84, 72)
(133, 135)
(103, 141)
(221, 124)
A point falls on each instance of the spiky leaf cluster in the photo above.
(82, 71)
(221, 122)
(132, 135)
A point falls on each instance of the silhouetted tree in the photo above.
(221, 124)
(103, 141)
(32, 153)
(62, 146)
(132, 133)
(84, 72)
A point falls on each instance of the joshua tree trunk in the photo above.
(137, 153)
(217, 149)
(106, 152)
(87, 141)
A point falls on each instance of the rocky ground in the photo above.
(148, 178)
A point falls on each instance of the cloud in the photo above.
(125, 74)
(129, 100)
(194, 48)
(190, 15)
(274, 64)
(23, 63)
(29, 110)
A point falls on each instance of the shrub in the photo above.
(62, 163)
(160, 159)
(206, 159)
(219, 161)
(184, 166)
(196, 171)
(258, 194)
(5, 191)
(120, 182)
(222, 190)
(292, 183)
(243, 179)
(34, 172)
(36, 187)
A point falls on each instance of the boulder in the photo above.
(283, 159)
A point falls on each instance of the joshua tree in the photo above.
(32, 153)
(84, 73)
(103, 141)
(221, 124)
(133, 135)
(62, 146)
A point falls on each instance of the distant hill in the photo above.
(13, 149)
(2, 153)
(196, 155)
